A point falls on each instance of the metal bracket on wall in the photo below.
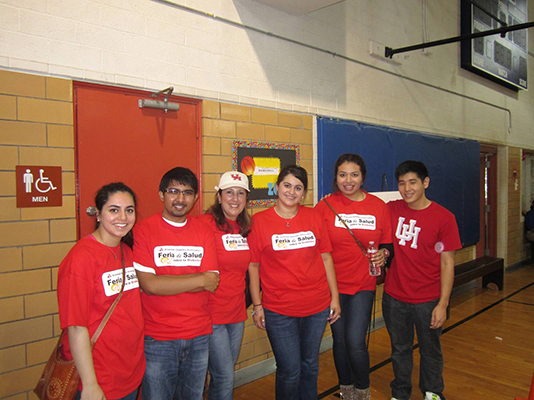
(161, 105)
(501, 31)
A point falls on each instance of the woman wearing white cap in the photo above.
(231, 224)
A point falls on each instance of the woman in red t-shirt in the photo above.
(230, 222)
(368, 218)
(290, 253)
(89, 280)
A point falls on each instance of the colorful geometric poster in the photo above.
(262, 162)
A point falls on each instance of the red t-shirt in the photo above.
(88, 283)
(227, 305)
(370, 221)
(292, 272)
(420, 238)
(164, 249)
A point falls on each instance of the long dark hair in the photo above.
(102, 197)
(243, 219)
(351, 158)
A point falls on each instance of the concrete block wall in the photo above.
(36, 128)
(153, 44)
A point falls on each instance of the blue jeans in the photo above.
(175, 369)
(351, 356)
(400, 319)
(131, 396)
(295, 342)
(225, 342)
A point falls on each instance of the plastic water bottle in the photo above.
(374, 270)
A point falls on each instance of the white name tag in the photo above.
(356, 221)
(293, 241)
(178, 256)
(234, 242)
(112, 281)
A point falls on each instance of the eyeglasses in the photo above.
(177, 192)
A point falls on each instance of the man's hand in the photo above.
(211, 281)
(439, 315)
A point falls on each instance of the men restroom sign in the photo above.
(38, 186)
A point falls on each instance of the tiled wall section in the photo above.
(36, 128)
(222, 123)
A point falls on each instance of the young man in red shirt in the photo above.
(176, 264)
(419, 282)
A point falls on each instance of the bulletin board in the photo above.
(453, 165)
(262, 162)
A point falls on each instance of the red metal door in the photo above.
(118, 141)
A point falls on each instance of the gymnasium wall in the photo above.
(151, 44)
(146, 44)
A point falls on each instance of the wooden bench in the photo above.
(491, 269)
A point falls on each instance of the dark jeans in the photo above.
(175, 369)
(295, 342)
(351, 356)
(400, 319)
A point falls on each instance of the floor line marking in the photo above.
(375, 367)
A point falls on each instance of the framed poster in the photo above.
(262, 162)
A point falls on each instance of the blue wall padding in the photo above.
(453, 165)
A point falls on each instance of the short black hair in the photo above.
(297, 171)
(181, 175)
(417, 167)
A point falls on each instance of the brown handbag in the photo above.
(60, 378)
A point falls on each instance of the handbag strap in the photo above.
(112, 308)
(346, 226)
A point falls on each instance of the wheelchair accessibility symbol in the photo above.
(40, 183)
(39, 186)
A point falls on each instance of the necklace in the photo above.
(104, 243)
(288, 221)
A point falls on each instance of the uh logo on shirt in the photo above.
(407, 232)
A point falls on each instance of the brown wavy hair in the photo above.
(243, 219)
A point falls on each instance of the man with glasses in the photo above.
(176, 264)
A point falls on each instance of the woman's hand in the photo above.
(92, 392)
(335, 311)
(259, 317)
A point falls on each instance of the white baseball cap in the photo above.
(233, 179)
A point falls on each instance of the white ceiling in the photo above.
(298, 7)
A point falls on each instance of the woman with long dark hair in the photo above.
(290, 254)
(230, 222)
(368, 218)
(89, 280)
